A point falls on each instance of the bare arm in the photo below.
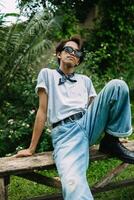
(91, 99)
(40, 120)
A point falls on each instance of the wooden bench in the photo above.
(28, 167)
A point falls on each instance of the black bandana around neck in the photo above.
(64, 77)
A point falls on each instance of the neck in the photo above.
(67, 69)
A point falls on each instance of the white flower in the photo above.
(19, 148)
(48, 130)
(11, 131)
(32, 112)
(10, 121)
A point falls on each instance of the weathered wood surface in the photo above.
(13, 165)
(113, 185)
(110, 175)
(3, 188)
(40, 161)
(27, 167)
(48, 197)
(41, 179)
(108, 187)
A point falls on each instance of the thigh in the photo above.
(71, 150)
(93, 122)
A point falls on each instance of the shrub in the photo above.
(17, 115)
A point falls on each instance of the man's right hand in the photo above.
(24, 153)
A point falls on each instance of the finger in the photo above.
(14, 156)
(21, 154)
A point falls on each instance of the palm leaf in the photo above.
(25, 44)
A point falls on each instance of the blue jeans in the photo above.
(109, 112)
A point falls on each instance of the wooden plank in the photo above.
(38, 178)
(21, 166)
(106, 179)
(13, 165)
(48, 197)
(96, 155)
(108, 187)
(4, 188)
(113, 185)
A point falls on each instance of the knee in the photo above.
(118, 84)
(70, 184)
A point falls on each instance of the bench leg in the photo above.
(4, 181)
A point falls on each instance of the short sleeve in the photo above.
(90, 87)
(42, 80)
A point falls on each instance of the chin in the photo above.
(70, 65)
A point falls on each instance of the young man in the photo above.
(79, 117)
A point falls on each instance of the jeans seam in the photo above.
(83, 130)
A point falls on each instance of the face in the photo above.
(69, 58)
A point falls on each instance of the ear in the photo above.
(58, 55)
(78, 63)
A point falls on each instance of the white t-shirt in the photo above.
(66, 99)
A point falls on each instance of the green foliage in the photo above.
(80, 8)
(3, 16)
(22, 47)
(111, 40)
(18, 114)
(69, 25)
(64, 12)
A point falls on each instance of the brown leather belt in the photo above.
(69, 119)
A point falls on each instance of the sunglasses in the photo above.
(70, 50)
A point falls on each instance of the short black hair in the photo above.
(76, 39)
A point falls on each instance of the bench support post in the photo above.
(4, 181)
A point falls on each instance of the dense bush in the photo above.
(18, 113)
(110, 42)
(22, 45)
